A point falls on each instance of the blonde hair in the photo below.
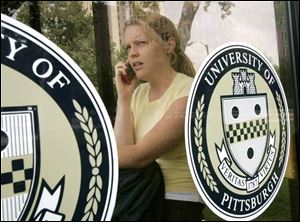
(160, 28)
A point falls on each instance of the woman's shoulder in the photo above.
(184, 80)
(181, 86)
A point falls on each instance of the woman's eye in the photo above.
(141, 43)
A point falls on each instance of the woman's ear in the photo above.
(171, 43)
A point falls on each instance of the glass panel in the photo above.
(203, 27)
(209, 25)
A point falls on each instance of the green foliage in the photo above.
(142, 8)
(71, 28)
(118, 54)
(225, 7)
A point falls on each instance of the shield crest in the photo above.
(245, 126)
(19, 155)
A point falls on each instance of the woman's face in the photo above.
(146, 56)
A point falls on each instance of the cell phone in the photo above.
(130, 72)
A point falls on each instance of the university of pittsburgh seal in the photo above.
(237, 132)
(58, 152)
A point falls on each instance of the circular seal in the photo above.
(237, 132)
(58, 157)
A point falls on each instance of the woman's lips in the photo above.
(137, 66)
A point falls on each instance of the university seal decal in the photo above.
(237, 132)
(58, 152)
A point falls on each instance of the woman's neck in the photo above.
(161, 82)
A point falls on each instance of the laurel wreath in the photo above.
(198, 140)
(93, 146)
(283, 123)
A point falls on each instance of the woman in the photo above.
(149, 124)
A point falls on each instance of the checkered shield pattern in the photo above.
(18, 147)
(245, 125)
(239, 132)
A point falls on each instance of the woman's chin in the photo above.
(140, 75)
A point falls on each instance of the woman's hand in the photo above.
(124, 85)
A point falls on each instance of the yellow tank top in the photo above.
(147, 113)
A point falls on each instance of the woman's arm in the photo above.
(124, 119)
(124, 124)
(161, 138)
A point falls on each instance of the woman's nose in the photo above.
(133, 51)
